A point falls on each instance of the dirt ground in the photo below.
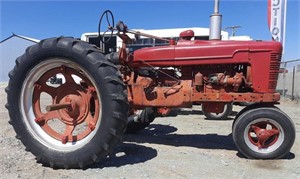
(185, 146)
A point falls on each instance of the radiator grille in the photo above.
(274, 68)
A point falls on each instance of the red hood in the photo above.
(205, 52)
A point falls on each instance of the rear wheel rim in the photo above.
(79, 112)
(264, 135)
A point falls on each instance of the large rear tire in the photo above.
(264, 133)
(74, 124)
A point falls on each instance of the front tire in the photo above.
(264, 133)
(73, 124)
(140, 119)
(220, 116)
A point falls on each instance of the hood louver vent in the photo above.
(274, 69)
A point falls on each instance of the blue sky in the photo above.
(43, 19)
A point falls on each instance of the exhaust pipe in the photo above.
(215, 23)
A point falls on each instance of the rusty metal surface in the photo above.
(145, 92)
(71, 104)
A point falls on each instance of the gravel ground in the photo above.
(185, 146)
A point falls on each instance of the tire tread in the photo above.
(113, 85)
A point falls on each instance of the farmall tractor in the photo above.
(79, 122)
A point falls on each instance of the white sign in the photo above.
(276, 19)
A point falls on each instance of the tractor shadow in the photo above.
(132, 150)
(127, 154)
(163, 134)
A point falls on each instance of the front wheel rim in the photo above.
(264, 135)
(75, 107)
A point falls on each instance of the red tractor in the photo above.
(75, 124)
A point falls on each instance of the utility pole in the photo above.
(233, 29)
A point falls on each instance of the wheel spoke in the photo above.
(51, 115)
(69, 78)
(255, 129)
(273, 132)
(67, 74)
(90, 92)
(106, 14)
(43, 119)
(49, 90)
(262, 140)
(90, 121)
(41, 85)
(68, 133)
(259, 145)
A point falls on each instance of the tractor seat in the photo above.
(186, 35)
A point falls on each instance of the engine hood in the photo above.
(186, 52)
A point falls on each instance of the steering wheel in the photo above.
(110, 29)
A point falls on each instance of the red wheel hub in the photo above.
(72, 104)
(79, 104)
(263, 134)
